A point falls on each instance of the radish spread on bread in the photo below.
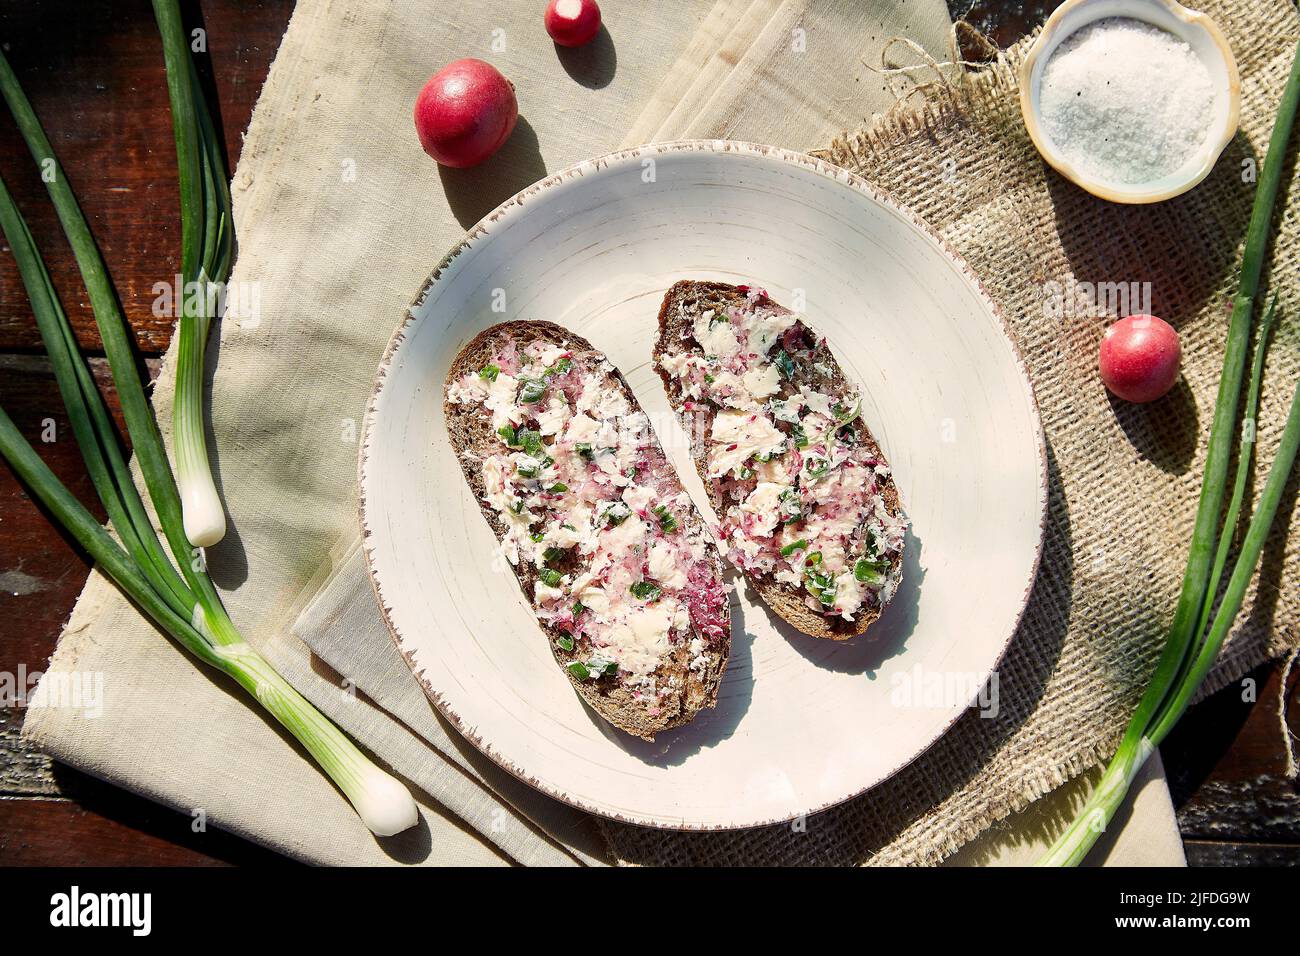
(805, 498)
(593, 520)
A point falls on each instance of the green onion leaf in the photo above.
(489, 372)
(815, 466)
(820, 586)
(784, 364)
(206, 248)
(532, 391)
(1247, 447)
(667, 523)
(579, 670)
(791, 506)
(790, 549)
(603, 667)
(565, 642)
(530, 440)
(870, 572)
(845, 414)
(646, 590)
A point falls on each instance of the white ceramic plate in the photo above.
(801, 723)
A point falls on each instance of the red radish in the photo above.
(465, 112)
(1139, 358)
(572, 22)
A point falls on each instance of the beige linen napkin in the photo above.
(340, 217)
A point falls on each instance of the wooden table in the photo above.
(96, 81)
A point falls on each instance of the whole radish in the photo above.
(1139, 358)
(572, 22)
(465, 113)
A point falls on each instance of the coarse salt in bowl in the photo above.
(1133, 100)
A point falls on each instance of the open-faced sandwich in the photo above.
(592, 518)
(807, 504)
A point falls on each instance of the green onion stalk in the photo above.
(179, 596)
(206, 248)
(1196, 634)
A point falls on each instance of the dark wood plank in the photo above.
(137, 833)
(96, 81)
(1225, 763)
(1210, 853)
(1003, 21)
(41, 571)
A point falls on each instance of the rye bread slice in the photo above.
(681, 304)
(472, 436)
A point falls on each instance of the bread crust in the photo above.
(470, 430)
(687, 298)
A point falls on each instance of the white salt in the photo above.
(1126, 102)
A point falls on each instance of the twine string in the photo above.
(902, 77)
(1290, 770)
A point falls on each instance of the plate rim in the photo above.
(558, 179)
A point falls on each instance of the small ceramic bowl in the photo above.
(1207, 42)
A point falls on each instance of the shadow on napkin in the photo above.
(474, 192)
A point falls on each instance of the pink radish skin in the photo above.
(572, 22)
(465, 113)
(1139, 358)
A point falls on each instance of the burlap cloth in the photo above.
(289, 390)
